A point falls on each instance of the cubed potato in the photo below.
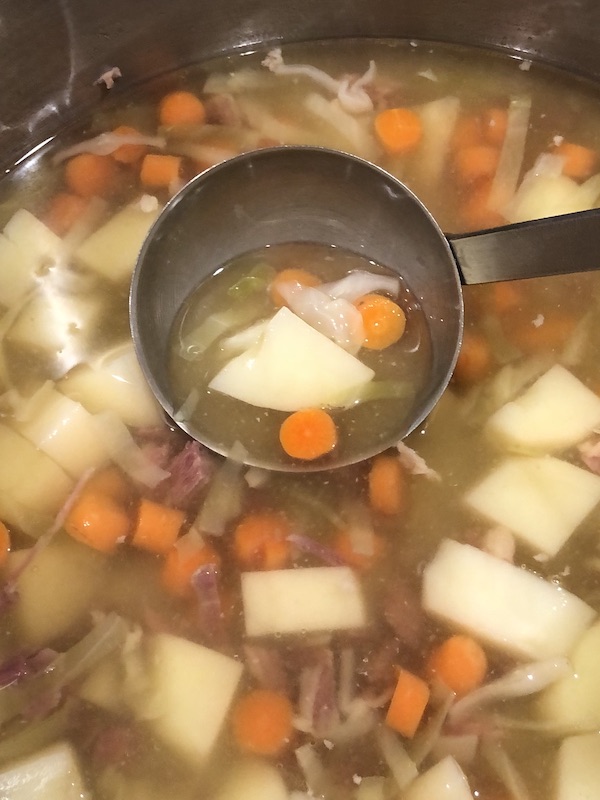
(23, 466)
(191, 689)
(301, 600)
(445, 780)
(66, 432)
(555, 413)
(578, 768)
(38, 245)
(573, 702)
(115, 383)
(293, 366)
(253, 779)
(16, 273)
(52, 774)
(112, 250)
(504, 605)
(541, 500)
(57, 590)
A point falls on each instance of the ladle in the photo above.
(311, 194)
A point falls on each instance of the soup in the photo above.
(176, 624)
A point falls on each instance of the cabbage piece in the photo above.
(512, 153)
(438, 119)
(292, 367)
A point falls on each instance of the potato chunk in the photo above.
(52, 774)
(444, 781)
(292, 367)
(299, 600)
(504, 605)
(541, 500)
(556, 412)
(252, 779)
(578, 768)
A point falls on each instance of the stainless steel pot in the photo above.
(53, 50)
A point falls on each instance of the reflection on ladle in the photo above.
(313, 195)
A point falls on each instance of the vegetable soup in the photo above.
(421, 624)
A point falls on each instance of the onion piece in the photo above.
(378, 390)
(125, 452)
(414, 463)
(360, 282)
(310, 547)
(426, 741)
(507, 174)
(312, 769)
(402, 767)
(106, 143)
(346, 688)
(501, 763)
(210, 610)
(520, 682)
(360, 529)
(224, 499)
(353, 131)
(462, 747)
(197, 341)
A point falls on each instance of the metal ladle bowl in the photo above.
(310, 194)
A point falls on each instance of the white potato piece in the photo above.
(541, 500)
(548, 195)
(57, 591)
(578, 768)
(300, 600)
(253, 779)
(191, 689)
(115, 383)
(573, 702)
(556, 412)
(52, 774)
(66, 432)
(16, 272)
(36, 242)
(445, 780)
(507, 607)
(112, 250)
(22, 467)
(292, 367)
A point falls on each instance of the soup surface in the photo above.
(174, 624)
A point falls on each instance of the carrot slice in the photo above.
(474, 360)
(475, 211)
(181, 108)
(292, 274)
(262, 722)
(408, 704)
(308, 434)
(384, 321)
(157, 526)
(342, 544)
(551, 334)
(506, 297)
(4, 544)
(128, 153)
(180, 564)
(260, 540)
(97, 520)
(160, 171)
(476, 161)
(460, 663)
(64, 211)
(89, 175)
(387, 485)
(579, 161)
(111, 482)
(398, 129)
(467, 132)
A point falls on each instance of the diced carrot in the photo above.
(160, 171)
(290, 275)
(475, 211)
(262, 722)
(342, 544)
(552, 332)
(459, 662)
(474, 360)
(157, 526)
(505, 297)
(408, 704)
(387, 485)
(384, 321)
(90, 175)
(308, 434)
(128, 153)
(63, 212)
(578, 161)
(476, 161)
(260, 540)
(4, 544)
(181, 563)
(398, 129)
(467, 132)
(97, 520)
(181, 108)
(495, 124)
(111, 482)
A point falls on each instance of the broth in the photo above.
(154, 556)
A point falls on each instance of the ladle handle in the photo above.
(553, 246)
